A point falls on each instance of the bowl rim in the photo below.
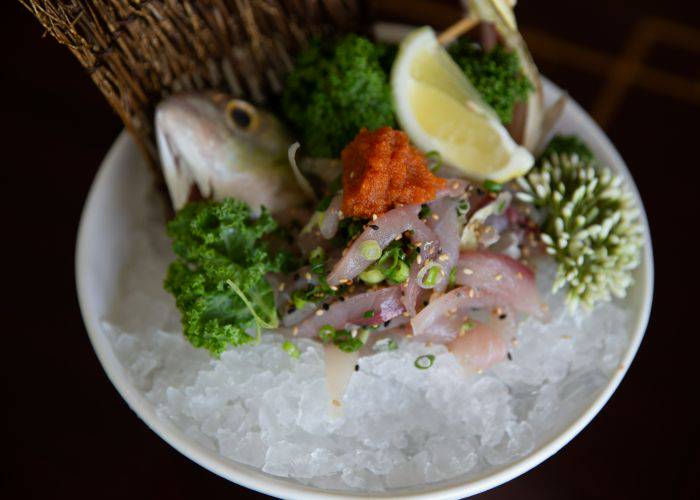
(257, 480)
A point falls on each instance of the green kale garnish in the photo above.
(335, 89)
(218, 278)
(496, 75)
(567, 145)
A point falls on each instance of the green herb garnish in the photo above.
(492, 186)
(591, 225)
(336, 88)
(424, 212)
(370, 250)
(436, 160)
(218, 278)
(496, 75)
(424, 362)
(291, 349)
(568, 145)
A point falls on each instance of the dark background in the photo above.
(635, 65)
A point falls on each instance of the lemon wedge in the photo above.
(441, 111)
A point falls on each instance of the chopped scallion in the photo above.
(326, 333)
(372, 276)
(425, 361)
(291, 349)
(370, 250)
(492, 186)
(400, 274)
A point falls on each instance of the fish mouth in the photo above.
(189, 127)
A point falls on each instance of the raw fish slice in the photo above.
(510, 282)
(383, 230)
(442, 319)
(479, 348)
(339, 369)
(446, 229)
(384, 302)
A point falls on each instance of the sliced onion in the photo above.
(298, 176)
(331, 217)
(385, 302)
(423, 274)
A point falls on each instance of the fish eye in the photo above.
(241, 115)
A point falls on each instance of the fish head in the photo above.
(213, 146)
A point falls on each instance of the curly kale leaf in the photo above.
(497, 76)
(218, 279)
(335, 89)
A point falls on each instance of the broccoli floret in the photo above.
(335, 89)
(568, 144)
(497, 76)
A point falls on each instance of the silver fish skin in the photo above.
(214, 147)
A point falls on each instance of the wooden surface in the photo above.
(67, 433)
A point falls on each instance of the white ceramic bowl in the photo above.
(103, 244)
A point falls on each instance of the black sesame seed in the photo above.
(374, 226)
(503, 316)
(510, 357)
(325, 306)
(357, 368)
(341, 299)
(291, 309)
(386, 323)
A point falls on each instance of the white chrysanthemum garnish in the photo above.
(591, 226)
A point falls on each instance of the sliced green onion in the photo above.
(368, 314)
(291, 349)
(463, 208)
(492, 186)
(453, 276)
(400, 274)
(467, 326)
(500, 208)
(372, 276)
(389, 261)
(370, 250)
(363, 335)
(346, 342)
(326, 333)
(316, 258)
(424, 212)
(316, 253)
(430, 275)
(299, 299)
(435, 157)
(324, 203)
(385, 345)
(425, 361)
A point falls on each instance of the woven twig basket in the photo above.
(138, 51)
